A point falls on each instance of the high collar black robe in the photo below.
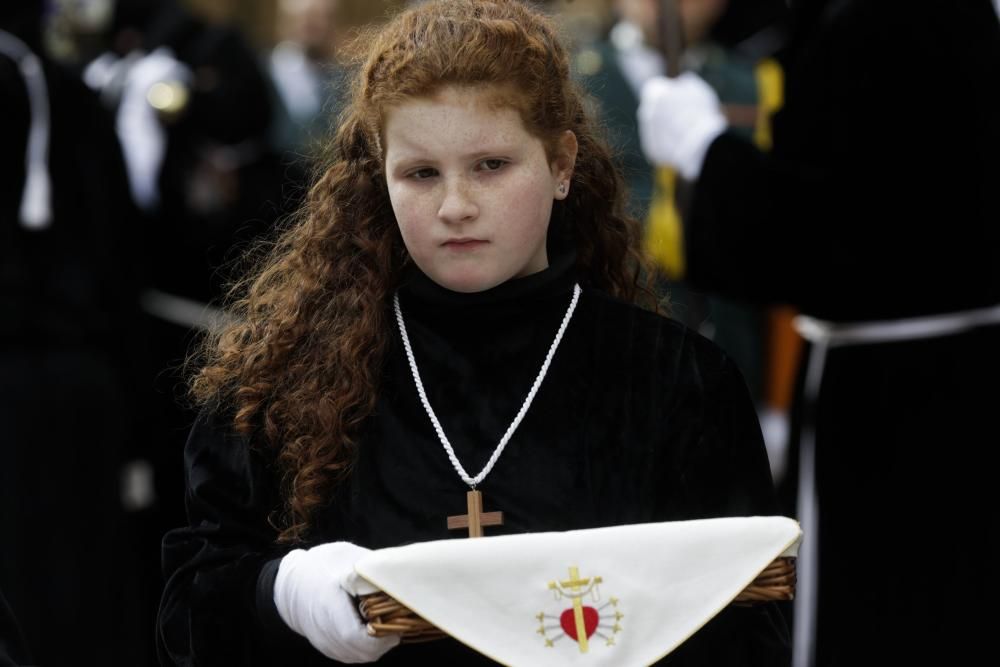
(637, 420)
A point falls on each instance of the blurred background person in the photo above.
(193, 109)
(70, 344)
(730, 45)
(194, 113)
(102, 296)
(877, 216)
(305, 74)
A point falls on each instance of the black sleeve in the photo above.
(217, 606)
(727, 474)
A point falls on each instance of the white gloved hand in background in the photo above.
(313, 593)
(678, 120)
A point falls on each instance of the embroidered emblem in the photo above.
(580, 622)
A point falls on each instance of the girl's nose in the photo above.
(458, 205)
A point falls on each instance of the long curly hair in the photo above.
(298, 364)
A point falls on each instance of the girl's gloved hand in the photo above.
(314, 593)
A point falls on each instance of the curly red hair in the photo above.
(298, 366)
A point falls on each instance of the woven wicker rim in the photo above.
(385, 616)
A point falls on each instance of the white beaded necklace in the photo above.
(474, 481)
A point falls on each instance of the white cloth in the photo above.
(142, 136)
(638, 62)
(298, 80)
(835, 334)
(776, 429)
(679, 119)
(510, 597)
(313, 593)
(36, 197)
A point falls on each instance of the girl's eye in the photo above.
(423, 174)
(492, 164)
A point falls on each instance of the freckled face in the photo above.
(471, 189)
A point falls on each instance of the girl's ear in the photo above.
(563, 163)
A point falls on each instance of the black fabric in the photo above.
(13, 650)
(75, 282)
(638, 420)
(69, 341)
(220, 188)
(878, 198)
(879, 202)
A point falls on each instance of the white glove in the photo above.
(313, 592)
(678, 120)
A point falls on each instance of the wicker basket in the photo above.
(385, 616)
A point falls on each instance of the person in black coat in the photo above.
(876, 215)
(204, 173)
(69, 344)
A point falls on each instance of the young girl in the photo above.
(455, 309)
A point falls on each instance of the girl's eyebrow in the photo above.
(415, 156)
(412, 148)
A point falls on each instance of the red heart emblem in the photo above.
(590, 620)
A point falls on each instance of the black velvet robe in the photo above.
(638, 420)
(880, 201)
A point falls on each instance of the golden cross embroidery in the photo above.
(476, 519)
(574, 588)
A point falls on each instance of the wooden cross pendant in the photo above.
(476, 518)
